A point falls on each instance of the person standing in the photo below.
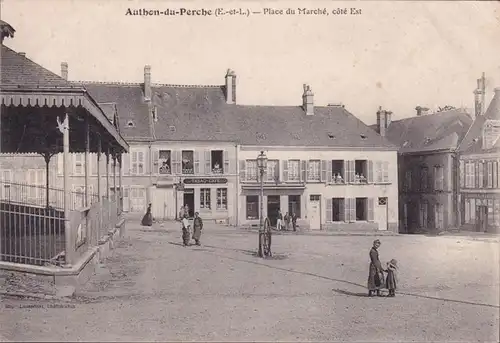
(186, 228)
(294, 221)
(147, 220)
(279, 221)
(392, 277)
(287, 221)
(375, 274)
(197, 227)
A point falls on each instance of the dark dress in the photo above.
(391, 280)
(197, 227)
(294, 222)
(147, 220)
(375, 275)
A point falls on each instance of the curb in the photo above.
(325, 233)
(34, 296)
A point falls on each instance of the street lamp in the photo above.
(262, 165)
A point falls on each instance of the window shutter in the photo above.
(495, 174)
(60, 164)
(329, 171)
(476, 173)
(277, 171)
(353, 209)
(93, 164)
(125, 162)
(329, 215)
(197, 162)
(370, 172)
(226, 162)
(141, 161)
(304, 172)
(347, 176)
(323, 171)
(155, 158)
(386, 171)
(462, 174)
(347, 210)
(490, 174)
(243, 171)
(285, 170)
(370, 209)
(208, 165)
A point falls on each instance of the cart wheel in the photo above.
(267, 238)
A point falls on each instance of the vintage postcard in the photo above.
(248, 171)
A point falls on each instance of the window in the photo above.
(439, 216)
(79, 167)
(294, 170)
(205, 198)
(137, 162)
(294, 205)
(408, 180)
(272, 170)
(360, 171)
(165, 162)
(469, 175)
(338, 173)
(187, 162)
(252, 207)
(424, 178)
(423, 215)
(5, 180)
(338, 208)
(438, 178)
(251, 170)
(222, 198)
(217, 161)
(489, 179)
(382, 171)
(137, 199)
(470, 211)
(480, 174)
(361, 208)
(314, 170)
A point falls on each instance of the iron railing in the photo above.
(32, 222)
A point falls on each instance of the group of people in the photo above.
(284, 222)
(376, 280)
(186, 229)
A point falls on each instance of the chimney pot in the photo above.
(64, 70)
(22, 54)
(147, 82)
(383, 121)
(230, 87)
(308, 100)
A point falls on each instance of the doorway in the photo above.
(315, 212)
(482, 219)
(381, 213)
(189, 200)
(273, 206)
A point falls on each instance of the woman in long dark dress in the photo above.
(147, 220)
(375, 275)
(197, 227)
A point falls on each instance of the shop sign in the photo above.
(198, 181)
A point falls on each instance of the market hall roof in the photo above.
(25, 84)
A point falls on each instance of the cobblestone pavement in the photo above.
(313, 289)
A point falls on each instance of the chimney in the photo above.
(22, 54)
(308, 100)
(64, 70)
(479, 94)
(383, 121)
(421, 111)
(230, 87)
(147, 83)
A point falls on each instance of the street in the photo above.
(313, 289)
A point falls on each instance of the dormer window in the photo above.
(331, 135)
(130, 123)
(171, 128)
(427, 140)
(363, 136)
(491, 133)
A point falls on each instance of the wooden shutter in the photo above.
(155, 158)
(353, 209)
(208, 162)
(370, 205)
(462, 174)
(243, 171)
(126, 164)
(347, 168)
(490, 174)
(277, 177)
(196, 162)
(342, 210)
(369, 177)
(329, 172)
(494, 174)
(385, 169)
(285, 170)
(347, 210)
(476, 173)
(60, 164)
(303, 170)
(324, 169)
(226, 162)
(329, 215)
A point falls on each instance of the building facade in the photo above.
(480, 169)
(427, 165)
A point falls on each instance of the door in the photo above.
(126, 199)
(315, 212)
(482, 219)
(189, 200)
(163, 203)
(273, 206)
(381, 213)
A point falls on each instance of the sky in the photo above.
(397, 54)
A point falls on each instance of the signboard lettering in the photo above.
(204, 181)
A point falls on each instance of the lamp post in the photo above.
(262, 165)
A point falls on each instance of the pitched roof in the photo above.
(17, 69)
(438, 131)
(201, 114)
(473, 142)
(130, 106)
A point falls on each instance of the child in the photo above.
(391, 280)
(186, 228)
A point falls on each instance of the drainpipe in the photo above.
(150, 186)
(237, 187)
(456, 188)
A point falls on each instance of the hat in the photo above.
(376, 241)
(394, 262)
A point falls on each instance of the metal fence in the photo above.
(32, 222)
